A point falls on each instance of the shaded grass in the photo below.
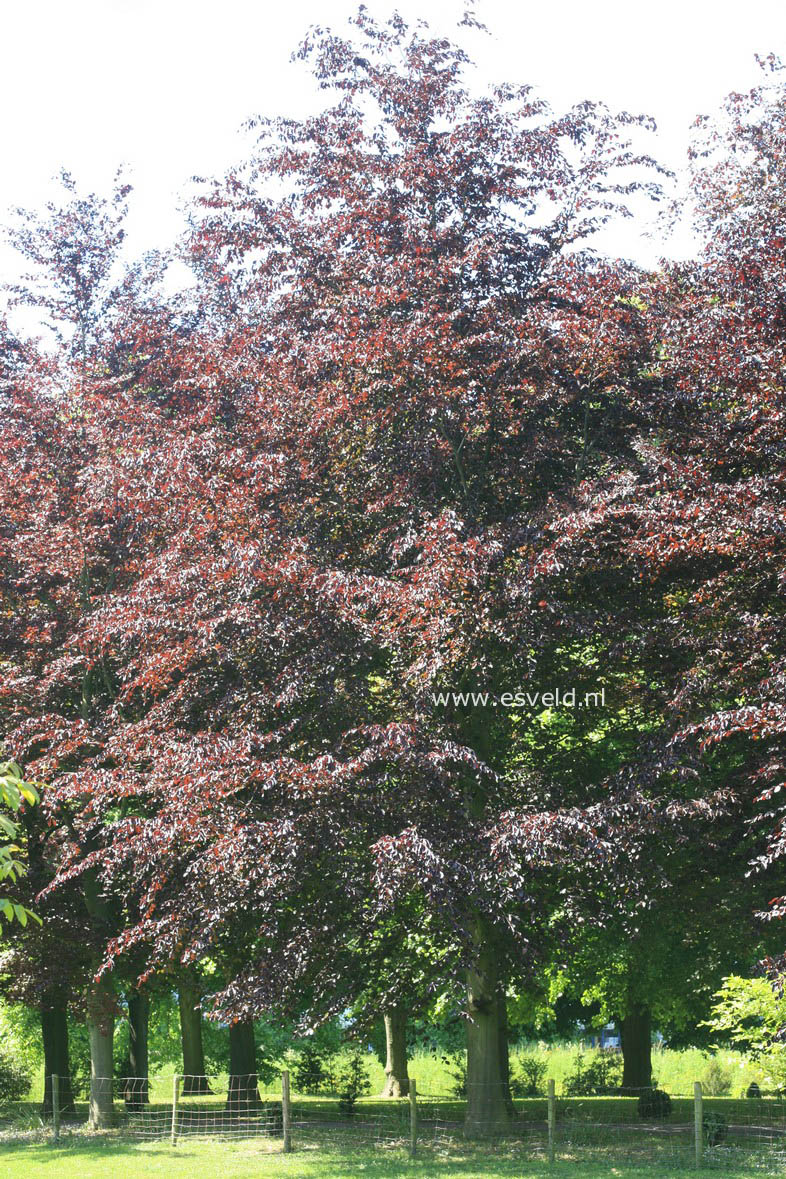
(104, 1157)
(597, 1136)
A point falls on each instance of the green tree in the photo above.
(14, 791)
(750, 1014)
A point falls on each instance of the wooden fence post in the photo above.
(552, 1118)
(413, 1117)
(55, 1107)
(175, 1099)
(286, 1113)
(698, 1123)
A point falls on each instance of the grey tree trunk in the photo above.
(194, 1077)
(636, 1037)
(137, 1091)
(242, 1093)
(487, 1108)
(504, 1049)
(54, 1032)
(101, 1027)
(396, 1074)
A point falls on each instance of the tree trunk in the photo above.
(54, 1031)
(504, 1049)
(137, 1089)
(242, 1093)
(194, 1077)
(396, 1075)
(487, 1110)
(101, 1027)
(636, 1037)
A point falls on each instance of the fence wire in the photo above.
(639, 1127)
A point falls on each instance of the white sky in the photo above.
(163, 85)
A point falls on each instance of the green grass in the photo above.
(107, 1158)
(596, 1137)
(588, 1149)
(674, 1070)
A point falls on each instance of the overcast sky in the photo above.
(164, 85)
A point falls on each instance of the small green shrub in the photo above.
(527, 1077)
(352, 1082)
(313, 1069)
(601, 1074)
(716, 1127)
(15, 1080)
(654, 1103)
(716, 1080)
(753, 1090)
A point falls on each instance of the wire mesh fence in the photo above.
(219, 1106)
(640, 1127)
(650, 1127)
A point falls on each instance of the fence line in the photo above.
(642, 1125)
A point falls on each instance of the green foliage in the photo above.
(600, 1074)
(312, 1060)
(773, 1066)
(456, 1066)
(352, 1082)
(15, 1079)
(527, 1076)
(165, 1046)
(716, 1079)
(716, 1127)
(442, 1034)
(79, 1058)
(655, 1103)
(14, 790)
(749, 1012)
(313, 1069)
(677, 1069)
(20, 1035)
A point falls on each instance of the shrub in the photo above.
(312, 1069)
(716, 1127)
(716, 1080)
(654, 1103)
(602, 1074)
(352, 1082)
(753, 1090)
(15, 1080)
(528, 1077)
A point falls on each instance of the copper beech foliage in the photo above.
(250, 531)
(691, 533)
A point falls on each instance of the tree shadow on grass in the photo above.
(105, 1156)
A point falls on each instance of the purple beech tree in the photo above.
(333, 489)
(254, 532)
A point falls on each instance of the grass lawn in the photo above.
(107, 1158)
(596, 1137)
